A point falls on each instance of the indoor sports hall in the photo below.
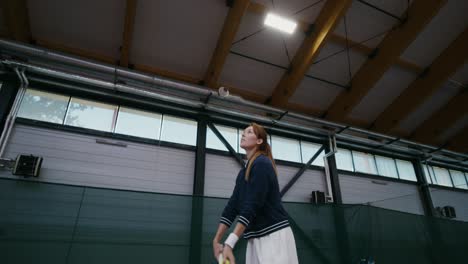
(233, 131)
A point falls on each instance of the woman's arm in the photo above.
(231, 241)
(227, 217)
(239, 230)
(256, 193)
(218, 247)
(227, 250)
(220, 232)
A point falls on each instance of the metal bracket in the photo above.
(333, 151)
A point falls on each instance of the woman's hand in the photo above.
(217, 249)
(228, 255)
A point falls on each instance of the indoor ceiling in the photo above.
(397, 67)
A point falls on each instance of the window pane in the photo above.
(89, 114)
(364, 162)
(431, 173)
(138, 123)
(309, 150)
(428, 174)
(386, 166)
(406, 170)
(179, 130)
(442, 176)
(344, 160)
(286, 149)
(458, 179)
(43, 106)
(229, 133)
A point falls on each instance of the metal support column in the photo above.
(333, 172)
(338, 212)
(197, 197)
(429, 210)
(423, 188)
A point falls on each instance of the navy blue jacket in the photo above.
(257, 201)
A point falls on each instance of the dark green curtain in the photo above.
(52, 223)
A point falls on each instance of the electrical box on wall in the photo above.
(447, 211)
(317, 197)
(27, 165)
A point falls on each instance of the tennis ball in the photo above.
(227, 262)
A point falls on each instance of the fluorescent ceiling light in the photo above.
(280, 23)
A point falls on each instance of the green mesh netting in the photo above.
(50, 223)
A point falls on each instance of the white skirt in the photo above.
(276, 248)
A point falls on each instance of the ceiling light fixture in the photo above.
(280, 23)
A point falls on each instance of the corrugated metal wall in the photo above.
(458, 200)
(311, 180)
(220, 175)
(221, 172)
(72, 158)
(381, 193)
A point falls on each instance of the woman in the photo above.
(256, 201)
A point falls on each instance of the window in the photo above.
(406, 170)
(138, 123)
(309, 150)
(179, 130)
(364, 162)
(386, 166)
(458, 179)
(429, 174)
(442, 176)
(344, 160)
(89, 114)
(229, 133)
(286, 149)
(43, 106)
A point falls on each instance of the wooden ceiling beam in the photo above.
(130, 12)
(226, 38)
(16, 18)
(444, 66)
(147, 69)
(388, 51)
(254, 97)
(431, 129)
(189, 79)
(329, 17)
(337, 39)
(251, 96)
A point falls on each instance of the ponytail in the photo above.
(263, 149)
